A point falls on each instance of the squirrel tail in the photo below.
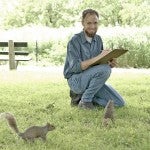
(11, 121)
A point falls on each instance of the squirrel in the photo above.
(108, 113)
(30, 133)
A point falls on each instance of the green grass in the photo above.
(39, 97)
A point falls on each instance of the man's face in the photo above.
(90, 24)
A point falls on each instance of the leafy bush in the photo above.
(50, 52)
(139, 53)
(136, 40)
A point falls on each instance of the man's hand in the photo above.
(112, 63)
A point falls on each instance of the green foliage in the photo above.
(52, 44)
(138, 45)
(131, 14)
(66, 13)
(52, 52)
(48, 12)
(135, 40)
(43, 96)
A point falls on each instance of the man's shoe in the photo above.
(75, 98)
(86, 105)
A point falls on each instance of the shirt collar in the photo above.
(84, 39)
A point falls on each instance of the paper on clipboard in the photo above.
(113, 54)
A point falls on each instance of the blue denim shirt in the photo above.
(79, 49)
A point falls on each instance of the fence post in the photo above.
(112, 46)
(36, 51)
(12, 64)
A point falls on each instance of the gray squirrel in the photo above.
(108, 113)
(30, 133)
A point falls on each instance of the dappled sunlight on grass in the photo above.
(32, 73)
(36, 95)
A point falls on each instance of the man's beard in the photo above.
(90, 34)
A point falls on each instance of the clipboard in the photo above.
(113, 54)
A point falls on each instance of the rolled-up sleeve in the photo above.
(73, 57)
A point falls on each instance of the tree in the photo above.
(46, 12)
(136, 14)
(66, 12)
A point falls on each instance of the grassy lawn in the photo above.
(38, 97)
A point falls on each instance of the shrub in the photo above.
(135, 40)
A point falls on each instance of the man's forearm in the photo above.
(87, 63)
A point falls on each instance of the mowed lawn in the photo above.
(37, 96)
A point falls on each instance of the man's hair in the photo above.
(89, 11)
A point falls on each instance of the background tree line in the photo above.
(129, 21)
(17, 13)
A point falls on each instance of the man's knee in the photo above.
(103, 70)
(107, 71)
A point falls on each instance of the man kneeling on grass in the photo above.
(87, 82)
